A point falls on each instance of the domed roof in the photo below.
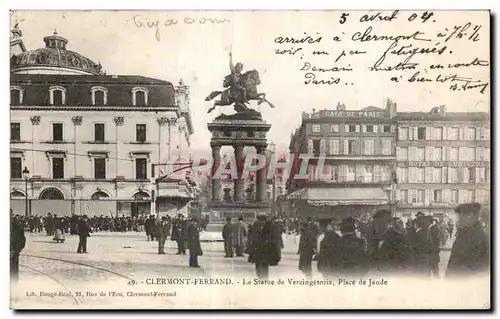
(55, 55)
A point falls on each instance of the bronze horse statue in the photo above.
(249, 81)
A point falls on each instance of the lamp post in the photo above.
(272, 149)
(26, 176)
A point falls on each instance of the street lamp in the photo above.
(26, 176)
(272, 149)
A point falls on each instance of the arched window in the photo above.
(51, 193)
(16, 95)
(99, 95)
(141, 196)
(98, 195)
(139, 96)
(57, 95)
(16, 194)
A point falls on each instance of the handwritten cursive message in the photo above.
(143, 22)
(401, 46)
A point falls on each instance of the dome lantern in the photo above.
(55, 41)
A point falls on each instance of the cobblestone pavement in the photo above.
(118, 258)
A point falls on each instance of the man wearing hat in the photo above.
(193, 242)
(470, 254)
(307, 246)
(422, 246)
(352, 255)
(83, 234)
(228, 236)
(375, 239)
(17, 243)
(264, 250)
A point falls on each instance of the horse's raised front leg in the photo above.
(262, 98)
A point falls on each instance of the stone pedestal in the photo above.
(239, 133)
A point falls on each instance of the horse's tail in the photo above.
(270, 104)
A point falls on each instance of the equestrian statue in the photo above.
(240, 89)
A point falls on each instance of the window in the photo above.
(57, 168)
(453, 133)
(454, 196)
(316, 128)
(334, 128)
(438, 196)
(453, 154)
(15, 131)
(438, 153)
(368, 175)
(481, 196)
(351, 173)
(416, 175)
(140, 133)
(403, 133)
(404, 196)
(352, 147)
(99, 95)
(369, 129)
(402, 175)
(57, 95)
(420, 196)
(99, 130)
(16, 96)
(316, 146)
(99, 98)
(420, 154)
(438, 175)
(437, 133)
(369, 147)
(387, 129)
(470, 133)
(351, 128)
(386, 147)
(15, 167)
(452, 175)
(483, 154)
(139, 96)
(402, 154)
(99, 168)
(421, 133)
(334, 147)
(57, 132)
(141, 170)
(485, 133)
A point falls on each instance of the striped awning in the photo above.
(324, 196)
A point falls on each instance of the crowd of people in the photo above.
(382, 244)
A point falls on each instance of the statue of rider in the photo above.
(234, 81)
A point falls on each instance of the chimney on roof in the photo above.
(442, 110)
(391, 108)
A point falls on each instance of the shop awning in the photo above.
(319, 196)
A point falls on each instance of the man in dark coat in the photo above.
(163, 231)
(181, 235)
(450, 228)
(422, 246)
(352, 259)
(435, 242)
(227, 236)
(470, 255)
(83, 234)
(307, 247)
(17, 244)
(265, 246)
(328, 257)
(150, 225)
(395, 254)
(193, 243)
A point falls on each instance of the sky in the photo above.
(198, 53)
